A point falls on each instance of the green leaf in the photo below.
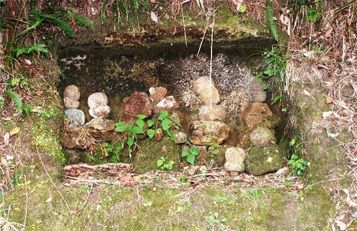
(271, 20)
(312, 14)
(142, 117)
(150, 133)
(185, 153)
(276, 100)
(27, 50)
(163, 115)
(137, 130)
(242, 8)
(17, 99)
(160, 162)
(120, 127)
(195, 150)
(166, 124)
(81, 20)
(150, 123)
(130, 141)
(15, 81)
(140, 123)
(191, 159)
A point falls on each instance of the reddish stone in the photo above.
(157, 93)
(137, 103)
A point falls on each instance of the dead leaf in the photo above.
(49, 200)
(341, 225)
(7, 138)
(154, 17)
(14, 131)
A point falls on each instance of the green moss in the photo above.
(150, 151)
(45, 139)
(264, 160)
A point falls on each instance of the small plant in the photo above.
(164, 165)
(114, 151)
(190, 154)
(297, 163)
(133, 130)
(214, 150)
(166, 124)
(216, 221)
(273, 71)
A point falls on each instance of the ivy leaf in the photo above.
(160, 162)
(137, 130)
(120, 127)
(195, 150)
(140, 123)
(166, 124)
(163, 115)
(150, 133)
(150, 123)
(185, 153)
(191, 159)
(142, 117)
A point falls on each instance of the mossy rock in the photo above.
(264, 160)
(150, 151)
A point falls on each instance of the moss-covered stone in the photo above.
(150, 151)
(264, 160)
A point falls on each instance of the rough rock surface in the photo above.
(137, 103)
(216, 112)
(256, 92)
(75, 117)
(206, 90)
(180, 137)
(234, 159)
(101, 128)
(157, 93)
(167, 103)
(100, 111)
(77, 137)
(264, 160)
(208, 132)
(97, 99)
(261, 137)
(253, 114)
(72, 92)
(70, 103)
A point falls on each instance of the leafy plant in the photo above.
(312, 14)
(273, 71)
(133, 130)
(114, 151)
(271, 20)
(28, 50)
(214, 150)
(166, 124)
(22, 108)
(190, 154)
(297, 163)
(165, 165)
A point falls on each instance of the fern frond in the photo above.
(56, 20)
(40, 48)
(271, 20)
(17, 99)
(81, 20)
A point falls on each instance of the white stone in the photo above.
(234, 159)
(97, 99)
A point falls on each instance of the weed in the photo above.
(114, 151)
(297, 163)
(190, 154)
(214, 150)
(215, 220)
(49, 113)
(22, 108)
(145, 127)
(273, 71)
(29, 50)
(271, 20)
(165, 165)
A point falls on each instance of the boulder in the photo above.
(234, 159)
(97, 99)
(261, 137)
(208, 132)
(70, 103)
(166, 104)
(72, 92)
(216, 112)
(100, 111)
(180, 137)
(256, 92)
(206, 91)
(77, 137)
(264, 160)
(254, 114)
(75, 117)
(157, 93)
(136, 104)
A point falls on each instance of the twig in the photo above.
(183, 23)
(86, 200)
